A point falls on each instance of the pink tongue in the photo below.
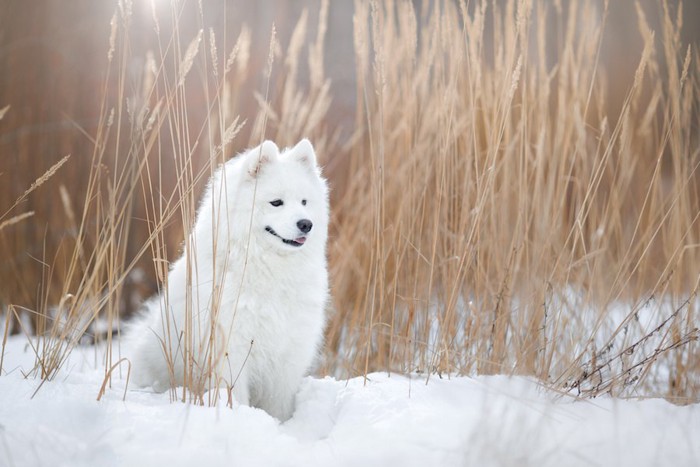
(300, 239)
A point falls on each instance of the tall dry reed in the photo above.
(502, 217)
(153, 150)
(495, 209)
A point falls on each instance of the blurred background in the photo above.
(53, 61)
(515, 183)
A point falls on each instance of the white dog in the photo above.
(243, 307)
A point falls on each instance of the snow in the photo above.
(390, 420)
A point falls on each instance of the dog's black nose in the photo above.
(305, 225)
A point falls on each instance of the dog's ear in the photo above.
(261, 156)
(304, 153)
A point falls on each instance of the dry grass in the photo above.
(500, 212)
(151, 157)
(494, 211)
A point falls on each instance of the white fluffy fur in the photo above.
(247, 285)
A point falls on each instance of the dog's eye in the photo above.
(277, 202)
(303, 202)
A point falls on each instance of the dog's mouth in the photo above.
(297, 242)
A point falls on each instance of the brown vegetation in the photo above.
(496, 210)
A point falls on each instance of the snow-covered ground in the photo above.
(393, 420)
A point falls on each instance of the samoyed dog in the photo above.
(243, 308)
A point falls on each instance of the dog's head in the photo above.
(289, 195)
